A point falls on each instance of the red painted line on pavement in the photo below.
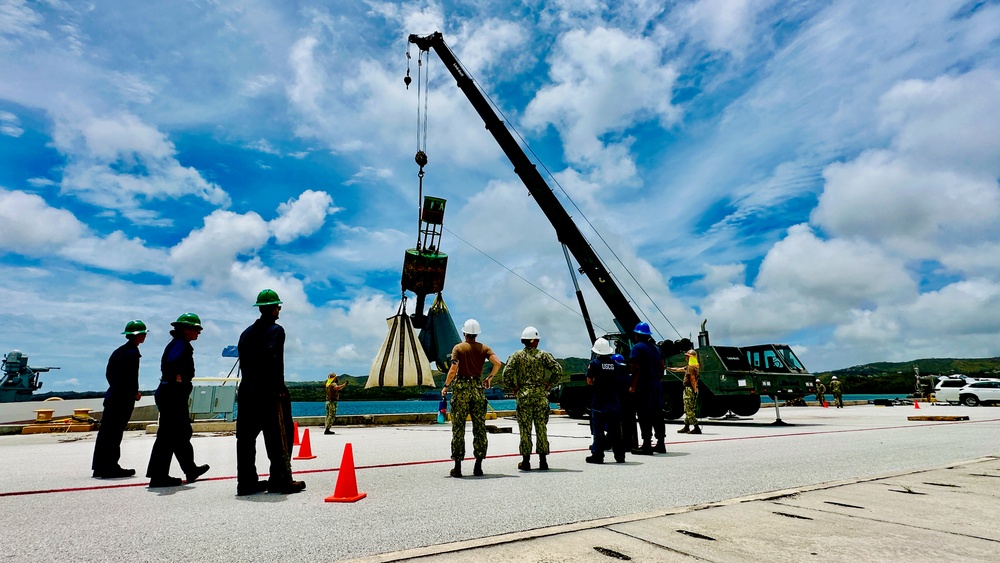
(449, 460)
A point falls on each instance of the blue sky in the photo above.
(823, 174)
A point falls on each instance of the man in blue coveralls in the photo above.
(603, 373)
(646, 365)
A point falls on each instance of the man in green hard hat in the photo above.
(173, 435)
(119, 401)
(265, 406)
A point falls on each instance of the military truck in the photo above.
(733, 378)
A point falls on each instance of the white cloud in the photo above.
(208, 254)
(586, 99)
(119, 162)
(723, 25)
(302, 217)
(10, 124)
(64, 235)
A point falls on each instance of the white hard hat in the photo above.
(835, 377)
(602, 347)
(529, 333)
(817, 380)
(471, 326)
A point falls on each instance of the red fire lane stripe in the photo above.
(448, 460)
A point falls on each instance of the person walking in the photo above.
(119, 402)
(691, 373)
(820, 393)
(603, 374)
(173, 435)
(529, 373)
(265, 406)
(468, 399)
(838, 393)
(333, 389)
(646, 366)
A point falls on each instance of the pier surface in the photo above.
(860, 483)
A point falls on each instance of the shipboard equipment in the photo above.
(401, 361)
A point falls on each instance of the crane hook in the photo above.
(407, 80)
(421, 158)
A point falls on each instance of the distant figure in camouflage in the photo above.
(333, 389)
(691, 372)
(468, 399)
(529, 374)
(838, 393)
(820, 392)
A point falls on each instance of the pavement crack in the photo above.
(658, 545)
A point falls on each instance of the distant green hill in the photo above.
(899, 377)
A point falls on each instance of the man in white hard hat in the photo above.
(530, 373)
(465, 380)
(838, 392)
(604, 373)
(820, 393)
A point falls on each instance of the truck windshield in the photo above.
(775, 358)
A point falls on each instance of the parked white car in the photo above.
(980, 392)
(947, 389)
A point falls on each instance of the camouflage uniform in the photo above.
(820, 393)
(467, 399)
(690, 394)
(838, 394)
(529, 373)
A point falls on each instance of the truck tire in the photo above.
(970, 400)
(673, 402)
(744, 405)
(710, 406)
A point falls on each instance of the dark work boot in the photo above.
(696, 429)
(542, 463)
(684, 430)
(478, 469)
(660, 447)
(525, 463)
(457, 470)
(645, 449)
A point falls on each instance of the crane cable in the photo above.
(509, 123)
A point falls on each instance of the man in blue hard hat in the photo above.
(265, 406)
(119, 402)
(626, 404)
(646, 365)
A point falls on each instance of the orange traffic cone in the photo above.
(305, 450)
(916, 404)
(295, 442)
(347, 484)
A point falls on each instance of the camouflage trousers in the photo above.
(820, 398)
(690, 407)
(838, 398)
(331, 413)
(468, 399)
(533, 410)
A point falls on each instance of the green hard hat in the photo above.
(135, 327)
(187, 319)
(267, 297)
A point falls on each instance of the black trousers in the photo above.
(107, 448)
(605, 425)
(629, 434)
(271, 416)
(173, 435)
(649, 408)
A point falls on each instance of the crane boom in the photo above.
(566, 230)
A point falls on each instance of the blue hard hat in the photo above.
(642, 328)
(618, 358)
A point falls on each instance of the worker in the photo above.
(468, 399)
(173, 435)
(820, 393)
(691, 373)
(119, 401)
(529, 374)
(265, 406)
(646, 366)
(838, 394)
(626, 405)
(603, 374)
(333, 389)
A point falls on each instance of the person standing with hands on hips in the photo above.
(119, 402)
(691, 372)
(468, 399)
(173, 435)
